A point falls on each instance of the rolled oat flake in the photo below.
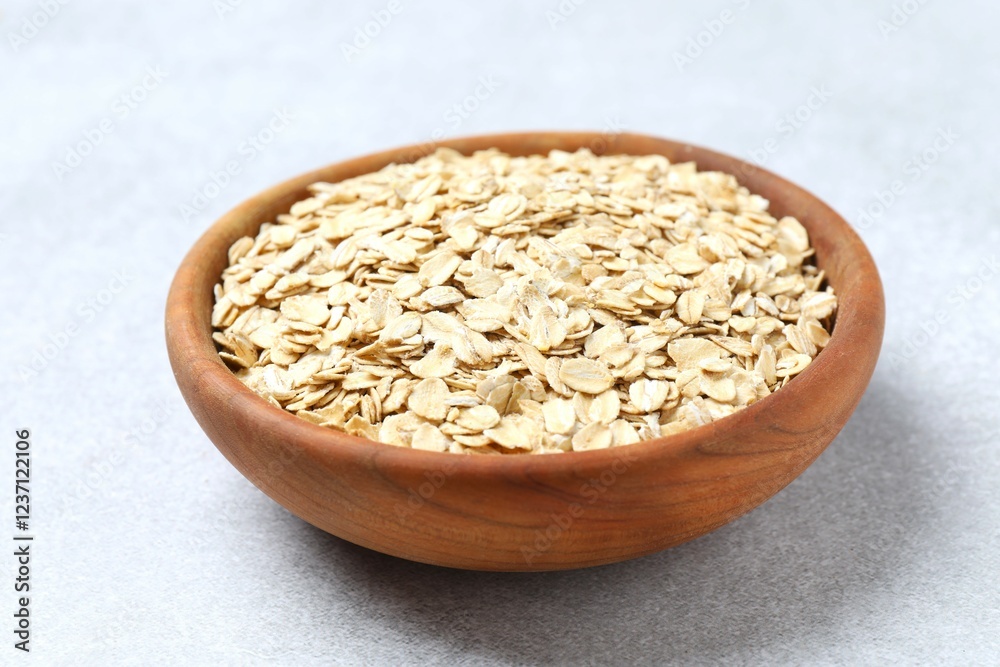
(491, 304)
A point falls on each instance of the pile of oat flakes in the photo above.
(493, 304)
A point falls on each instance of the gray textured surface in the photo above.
(154, 550)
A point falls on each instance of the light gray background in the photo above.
(151, 549)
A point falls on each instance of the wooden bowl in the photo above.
(526, 512)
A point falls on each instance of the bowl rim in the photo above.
(858, 321)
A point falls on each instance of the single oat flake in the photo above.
(491, 304)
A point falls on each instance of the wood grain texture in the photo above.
(516, 513)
